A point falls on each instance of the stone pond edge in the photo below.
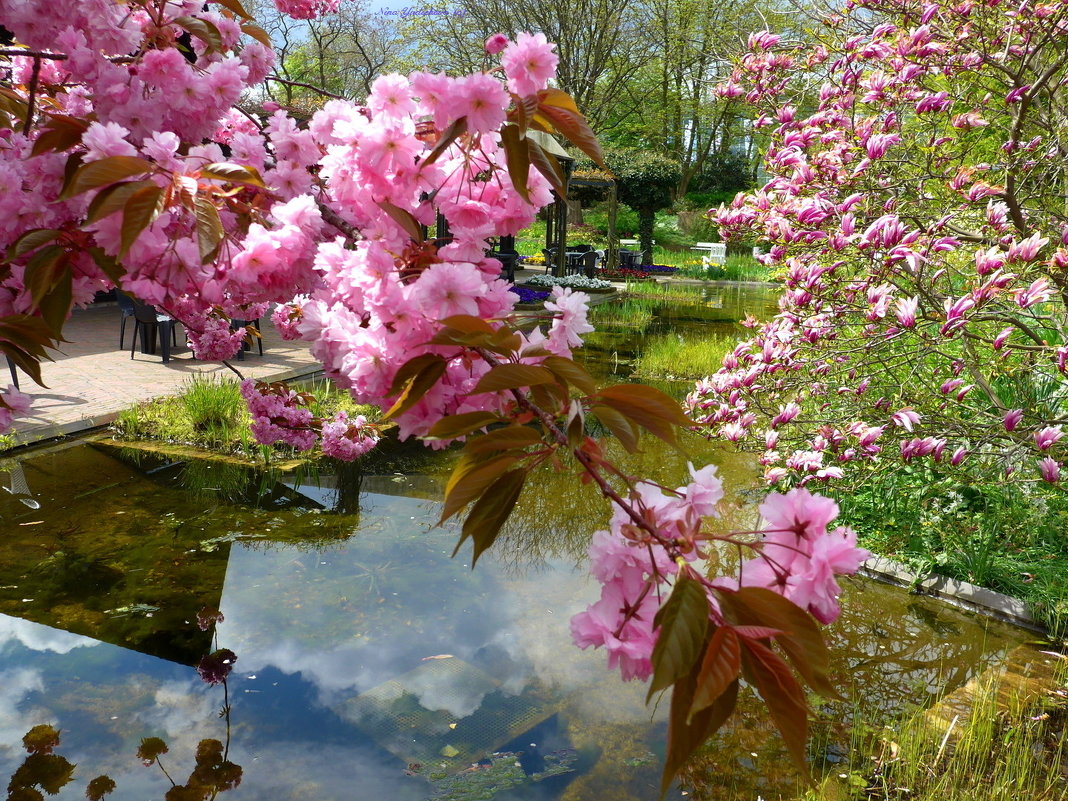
(957, 593)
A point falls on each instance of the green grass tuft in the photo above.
(672, 356)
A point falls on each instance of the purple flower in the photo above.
(529, 295)
(1050, 469)
(216, 666)
(1012, 419)
(1046, 437)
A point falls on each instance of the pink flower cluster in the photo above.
(279, 415)
(12, 404)
(896, 299)
(347, 439)
(307, 9)
(797, 558)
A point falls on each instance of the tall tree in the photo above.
(602, 44)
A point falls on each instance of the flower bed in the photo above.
(529, 295)
(572, 281)
(637, 273)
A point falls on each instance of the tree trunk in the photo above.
(646, 218)
(574, 212)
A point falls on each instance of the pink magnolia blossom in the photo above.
(1050, 469)
(1012, 419)
(1047, 437)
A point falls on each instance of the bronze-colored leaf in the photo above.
(61, 132)
(686, 732)
(417, 387)
(31, 240)
(404, 219)
(720, 667)
(140, 211)
(232, 173)
(548, 165)
(25, 361)
(574, 126)
(783, 695)
(623, 429)
(257, 33)
(448, 136)
(490, 512)
(203, 29)
(470, 478)
(42, 271)
(209, 228)
(683, 621)
(653, 410)
(235, 6)
(56, 303)
(459, 425)
(518, 159)
(801, 638)
(512, 376)
(503, 439)
(468, 324)
(571, 372)
(410, 369)
(104, 172)
(113, 198)
(107, 264)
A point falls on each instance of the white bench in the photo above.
(632, 243)
(716, 252)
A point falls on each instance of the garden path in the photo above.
(92, 378)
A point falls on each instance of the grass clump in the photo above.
(675, 357)
(209, 413)
(735, 268)
(1006, 747)
(630, 312)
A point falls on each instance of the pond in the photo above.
(370, 663)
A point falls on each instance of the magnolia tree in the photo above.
(128, 160)
(918, 205)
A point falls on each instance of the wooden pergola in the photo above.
(556, 223)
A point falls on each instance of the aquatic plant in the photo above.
(675, 356)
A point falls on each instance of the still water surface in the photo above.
(370, 664)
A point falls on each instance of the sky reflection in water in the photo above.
(363, 647)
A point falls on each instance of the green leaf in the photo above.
(418, 385)
(232, 173)
(800, 636)
(104, 172)
(682, 621)
(209, 228)
(571, 372)
(404, 219)
(782, 694)
(686, 732)
(623, 429)
(518, 159)
(111, 268)
(490, 512)
(470, 478)
(142, 208)
(503, 439)
(720, 667)
(512, 376)
(459, 425)
(448, 136)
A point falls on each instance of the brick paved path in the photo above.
(92, 379)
